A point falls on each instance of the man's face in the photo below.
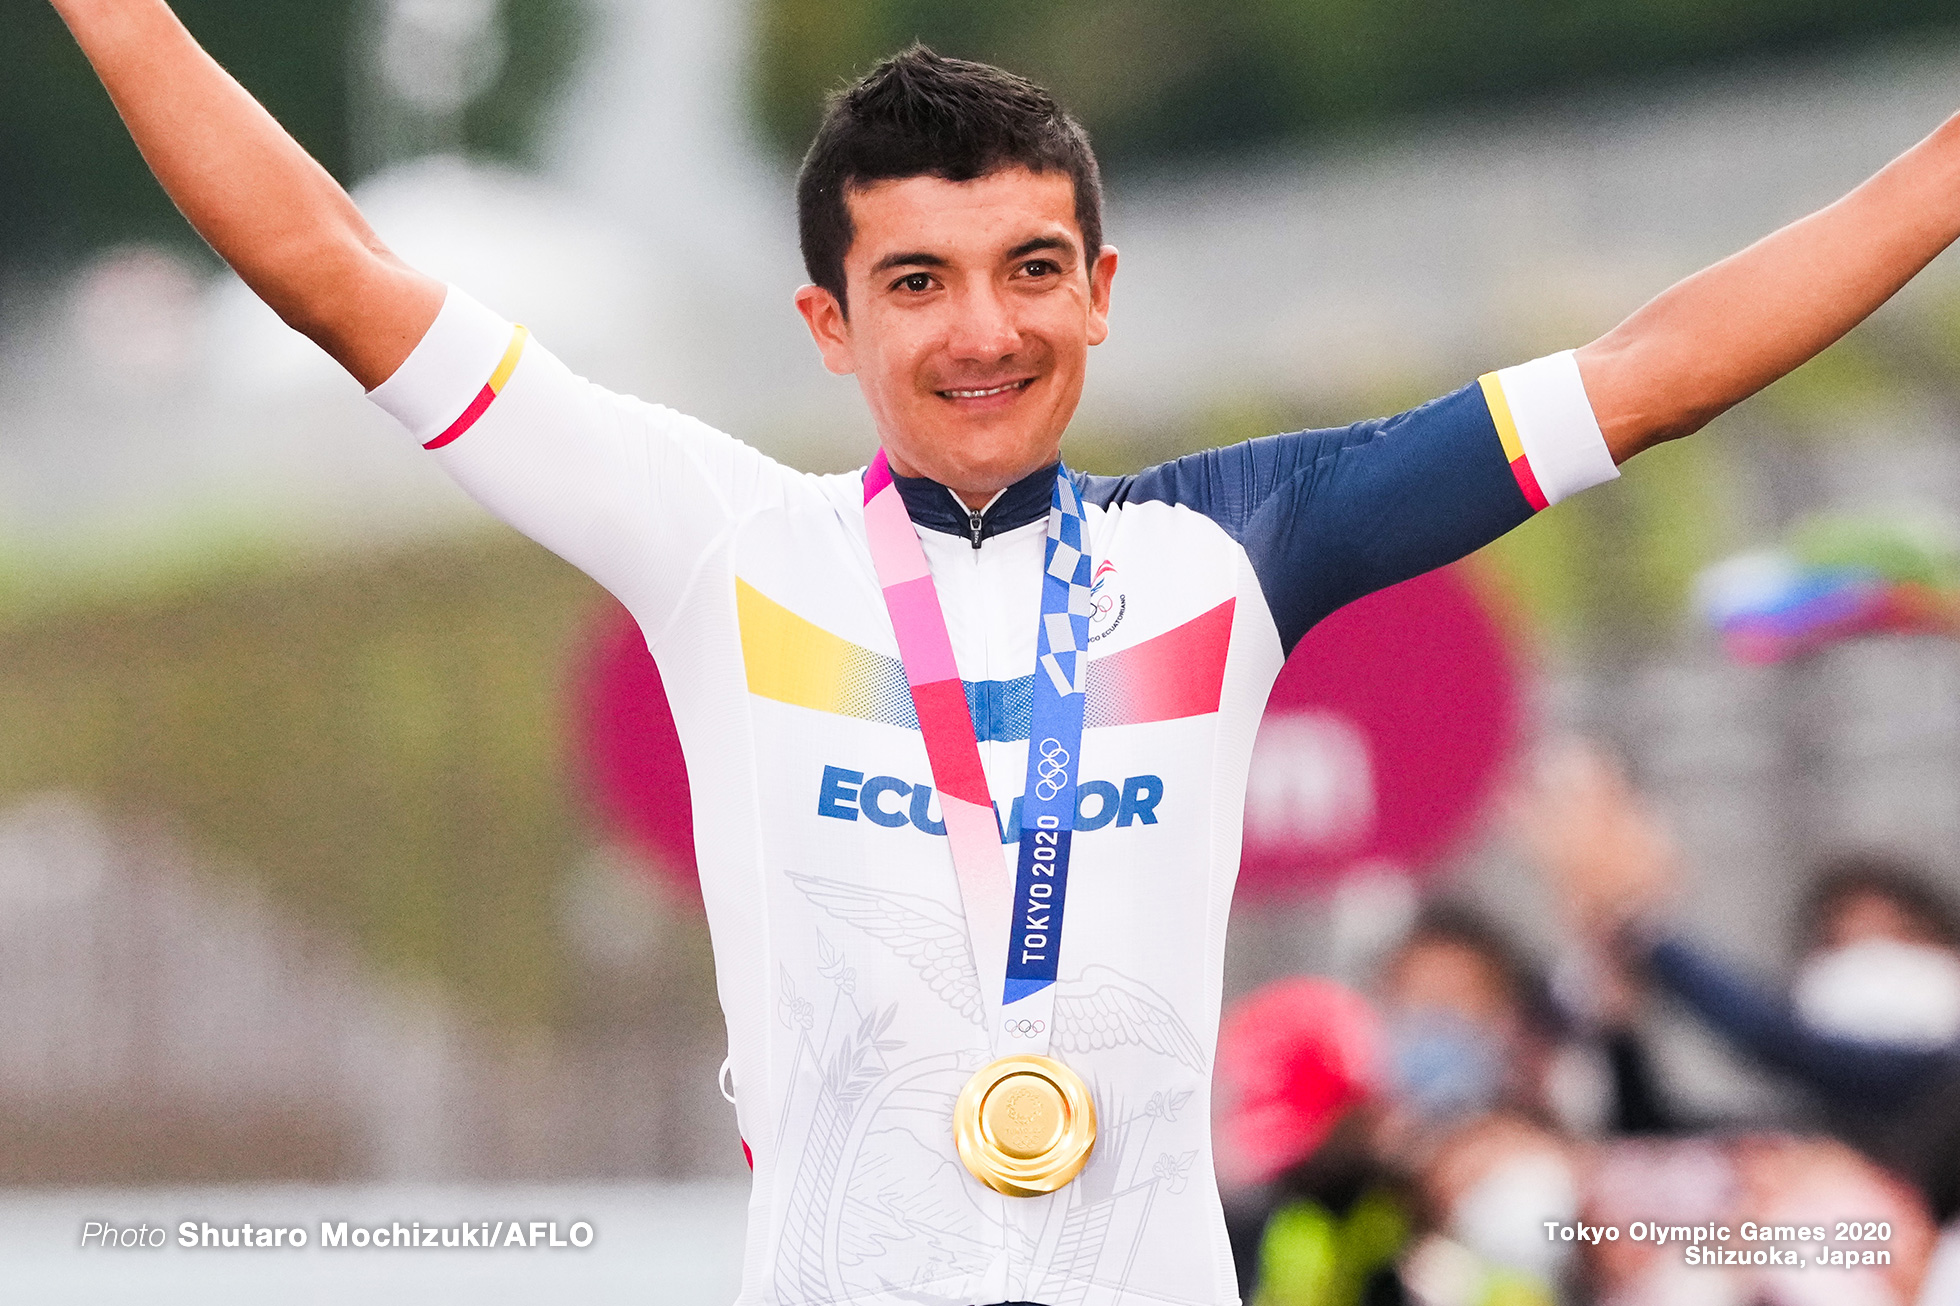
(1443, 975)
(1863, 917)
(972, 311)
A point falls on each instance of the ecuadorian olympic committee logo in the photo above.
(1107, 604)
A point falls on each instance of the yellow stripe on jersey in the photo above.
(1500, 416)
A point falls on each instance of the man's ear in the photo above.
(828, 327)
(1101, 273)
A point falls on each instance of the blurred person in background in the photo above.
(1942, 1285)
(1375, 1151)
(1485, 1189)
(1869, 1023)
(1315, 1218)
(1471, 1044)
(1473, 1026)
(1691, 1181)
(951, 223)
(1465, 1033)
(1727, 1181)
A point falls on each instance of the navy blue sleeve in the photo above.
(1328, 516)
(1763, 1023)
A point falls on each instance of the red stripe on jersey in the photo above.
(467, 420)
(491, 389)
(1521, 468)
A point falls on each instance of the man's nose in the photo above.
(983, 328)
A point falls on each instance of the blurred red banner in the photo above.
(1385, 736)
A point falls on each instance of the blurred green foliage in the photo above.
(71, 180)
(1608, 574)
(1853, 381)
(384, 744)
(1164, 78)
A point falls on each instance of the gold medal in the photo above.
(1024, 1125)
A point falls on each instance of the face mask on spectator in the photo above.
(1882, 991)
(1442, 1065)
(1502, 1216)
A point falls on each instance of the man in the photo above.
(820, 636)
(1869, 1024)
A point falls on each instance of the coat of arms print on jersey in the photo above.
(877, 1172)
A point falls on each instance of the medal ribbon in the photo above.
(1022, 920)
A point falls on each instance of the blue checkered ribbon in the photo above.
(1054, 752)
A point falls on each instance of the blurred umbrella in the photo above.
(1838, 577)
(1293, 1058)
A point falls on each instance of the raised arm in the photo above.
(1716, 338)
(285, 226)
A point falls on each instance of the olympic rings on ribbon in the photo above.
(1052, 769)
(1023, 1028)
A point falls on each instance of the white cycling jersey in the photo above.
(854, 1008)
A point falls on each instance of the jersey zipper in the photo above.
(976, 518)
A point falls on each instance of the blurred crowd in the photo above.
(1478, 1130)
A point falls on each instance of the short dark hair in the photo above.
(1846, 877)
(919, 114)
(1456, 924)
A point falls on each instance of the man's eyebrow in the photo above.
(1038, 244)
(911, 260)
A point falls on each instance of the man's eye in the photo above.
(918, 283)
(1039, 267)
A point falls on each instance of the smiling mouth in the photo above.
(1022, 384)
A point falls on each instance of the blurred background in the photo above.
(340, 858)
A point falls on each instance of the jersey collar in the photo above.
(937, 508)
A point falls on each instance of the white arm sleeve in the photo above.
(1555, 423)
(631, 493)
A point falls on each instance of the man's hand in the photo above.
(285, 226)
(1601, 849)
(1716, 338)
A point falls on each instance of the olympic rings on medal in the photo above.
(1023, 1028)
(1052, 769)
